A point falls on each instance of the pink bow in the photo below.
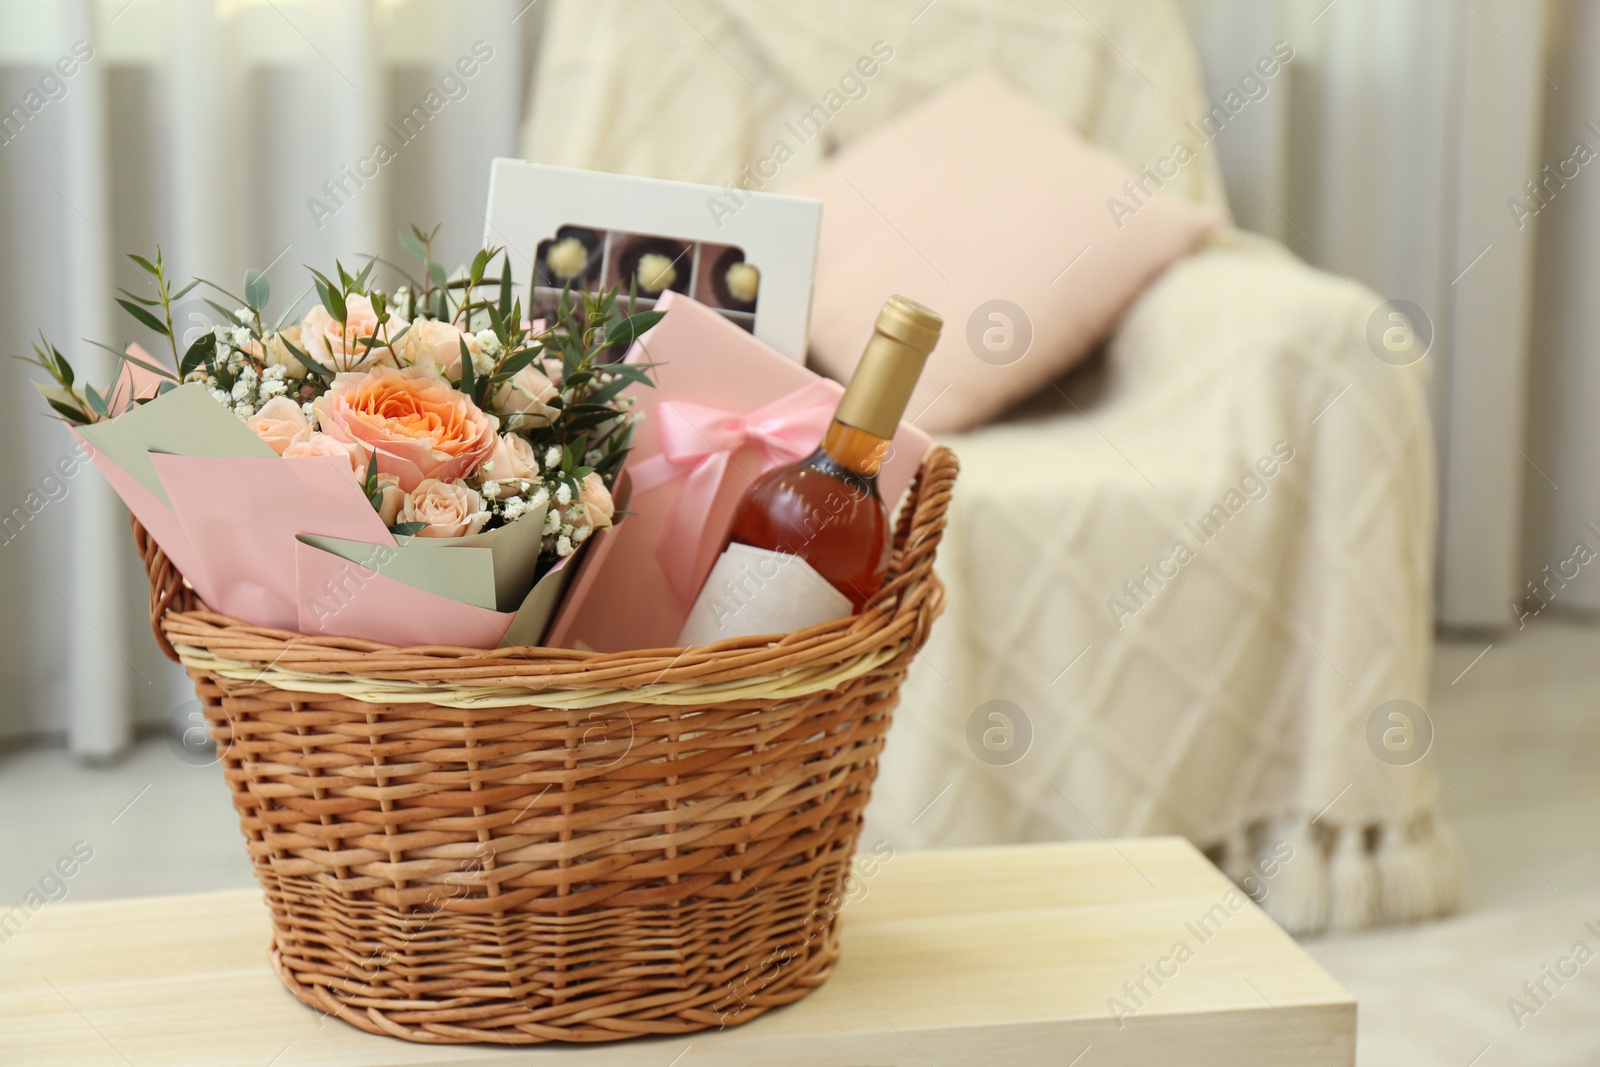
(697, 442)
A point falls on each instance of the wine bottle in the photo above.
(824, 510)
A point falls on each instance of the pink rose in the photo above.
(279, 422)
(419, 425)
(449, 510)
(343, 349)
(513, 459)
(312, 443)
(436, 346)
(525, 398)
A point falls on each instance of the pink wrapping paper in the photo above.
(337, 597)
(255, 507)
(635, 590)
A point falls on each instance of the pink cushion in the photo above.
(985, 208)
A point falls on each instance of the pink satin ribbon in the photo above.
(697, 443)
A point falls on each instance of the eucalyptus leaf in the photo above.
(468, 385)
(409, 242)
(76, 417)
(257, 290)
(144, 317)
(145, 264)
(198, 354)
(151, 367)
(408, 529)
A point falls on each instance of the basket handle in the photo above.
(916, 539)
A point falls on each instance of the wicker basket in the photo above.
(528, 845)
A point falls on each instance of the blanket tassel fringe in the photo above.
(1313, 878)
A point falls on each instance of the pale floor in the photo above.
(1517, 737)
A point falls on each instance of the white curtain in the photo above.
(235, 134)
(1393, 152)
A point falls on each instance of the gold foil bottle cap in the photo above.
(906, 320)
(883, 381)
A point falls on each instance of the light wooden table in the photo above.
(989, 957)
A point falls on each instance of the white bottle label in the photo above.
(758, 591)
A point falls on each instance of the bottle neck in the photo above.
(854, 449)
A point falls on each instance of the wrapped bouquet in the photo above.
(433, 416)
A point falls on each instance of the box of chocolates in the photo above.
(748, 256)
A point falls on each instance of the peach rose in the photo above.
(525, 398)
(449, 510)
(513, 459)
(593, 506)
(418, 425)
(436, 346)
(341, 349)
(390, 499)
(312, 443)
(279, 422)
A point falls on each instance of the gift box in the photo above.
(725, 409)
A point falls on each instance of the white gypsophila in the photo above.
(488, 466)
(276, 372)
(242, 388)
(580, 534)
(563, 546)
(515, 508)
(241, 337)
(591, 458)
(309, 410)
(488, 342)
(564, 494)
(490, 490)
(243, 314)
(271, 388)
(539, 499)
(552, 522)
(220, 333)
(482, 364)
(244, 409)
(552, 457)
(221, 396)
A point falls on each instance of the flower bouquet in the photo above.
(408, 466)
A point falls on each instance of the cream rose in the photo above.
(449, 510)
(390, 499)
(525, 398)
(275, 352)
(342, 348)
(279, 422)
(512, 460)
(436, 346)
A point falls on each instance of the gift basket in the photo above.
(493, 839)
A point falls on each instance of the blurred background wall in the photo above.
(1404, 145)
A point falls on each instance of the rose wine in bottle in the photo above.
(824, 509)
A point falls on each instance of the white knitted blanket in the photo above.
(1195, 646)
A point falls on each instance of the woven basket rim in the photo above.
(901, 613)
